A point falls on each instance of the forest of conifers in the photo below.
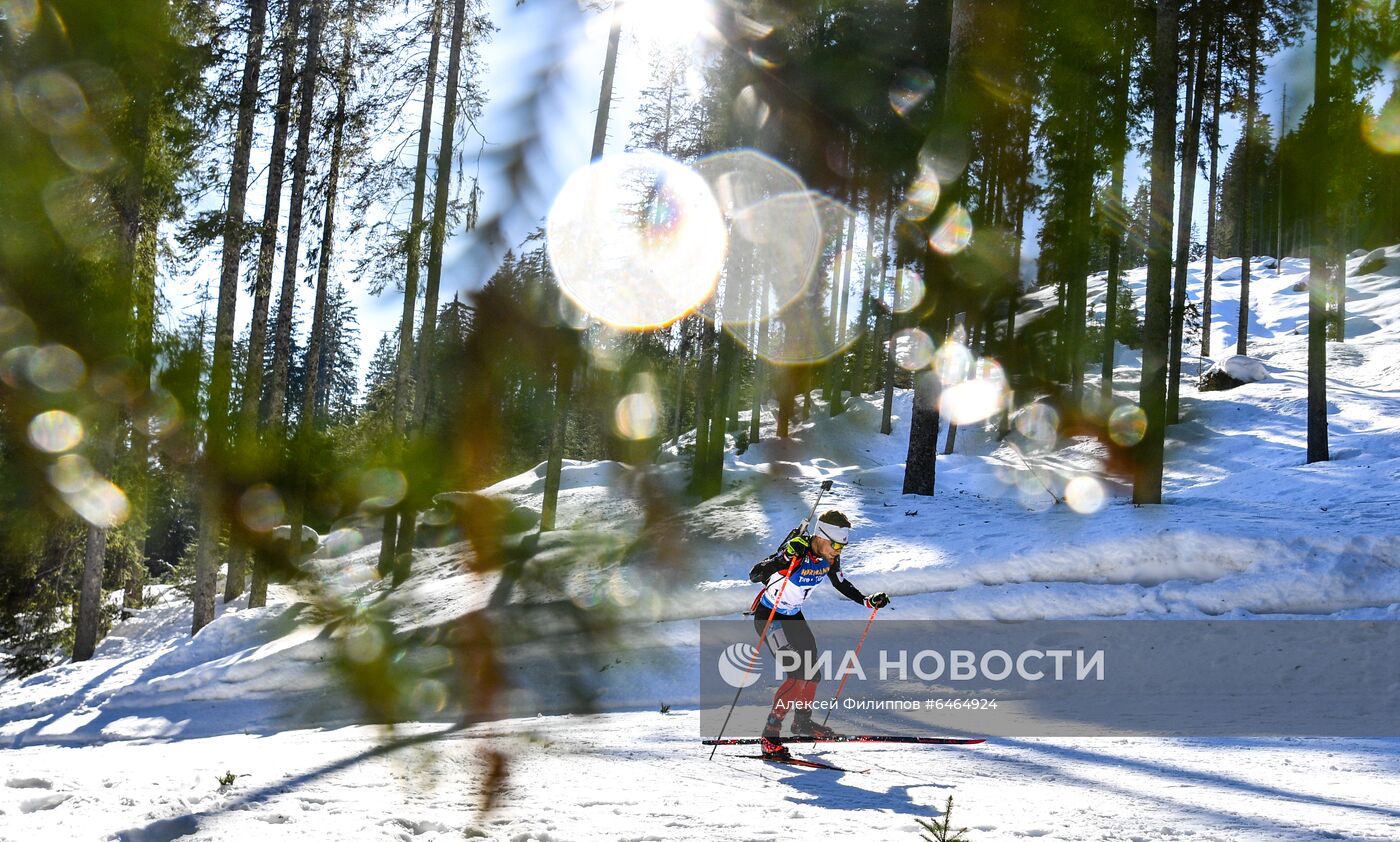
(141, 441)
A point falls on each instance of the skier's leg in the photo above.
(802, 640)
(792, 687)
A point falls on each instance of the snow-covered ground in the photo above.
(131, 744)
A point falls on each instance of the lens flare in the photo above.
(636, 240)
(911, 87)
(1085, 495)
(260, 508)
(774, 236)
(343, 542)
(636, 416)
(920, 199)
(750, 108)
(977, 398)
(51, 101)
(55, 431)
(954, 233)
(1382, 131)
(86, 149)
(56, 368)
(825, 317)
(100, 503)
(1127, 425)
(82, 213)
(953, 363)
(911, 291)
(16, 328)
(381, 488)
(70, 474)
(1039, 424)
(14, 364)
(22, 17)
(913, 349)
(158, 414)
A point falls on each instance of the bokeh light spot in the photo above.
(911, 291)
(954, 233)
(100, 503)
(913, 349)
(16, 328)
(1127, 425)
(911, 87)
(636, 416)
(1039, 424)
(977, 398)
(920, 199)
(85, 149)
(71, 473)
(14, 364)
(21, 16)
(1382, 130)
(51, 101)
(158, 414)
(55, 431)
(261, 508)
(381, 488)
(1085, 495)
(636, 240)
(56, 368)
(750, 108)
(952, 362)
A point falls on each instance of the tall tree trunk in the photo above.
(1190, 143)
(862, 334)
(876, 364)
(1242, 345)
(282, 340)
(1115, 228)
(920, 464)
(319, 331)
(563, 378)
(403, 367)
(1077, 279)
(836, 384)
(220, 375)
(920, 460)
(1321, 166)
(252, 386)
(1147, 481)
(1208, 274)
(272, 208)
(437, 238)
(886, 419)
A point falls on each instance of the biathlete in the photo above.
(817, 556)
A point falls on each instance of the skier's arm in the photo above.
(842, 584)
(781, 560)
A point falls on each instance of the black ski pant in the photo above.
(790, 632)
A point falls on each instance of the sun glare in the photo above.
(666, 23)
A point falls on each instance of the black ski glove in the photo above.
(877, 600)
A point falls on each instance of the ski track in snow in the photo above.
(129, 745)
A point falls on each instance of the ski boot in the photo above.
(805, 729)
(773, 748)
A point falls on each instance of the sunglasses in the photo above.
(838, 547)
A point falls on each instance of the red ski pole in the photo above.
(756, 653)
(842, 685)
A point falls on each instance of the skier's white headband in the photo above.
(831, 532)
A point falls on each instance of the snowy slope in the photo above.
(129, 744)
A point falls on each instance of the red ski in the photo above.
(857, 738)
(798, 761)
